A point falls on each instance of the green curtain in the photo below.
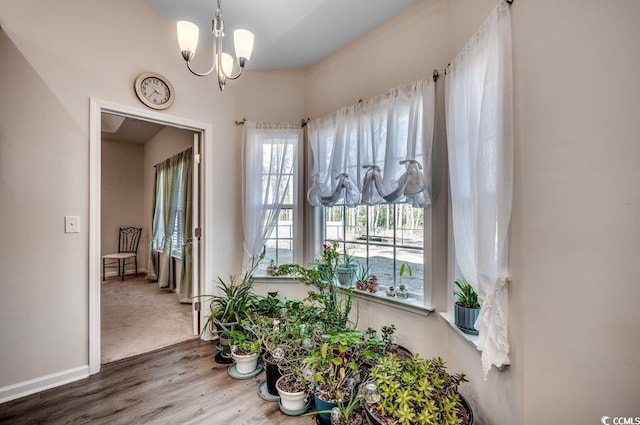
(152, 272)
(173, 184)
(170, 174)
(185, 291)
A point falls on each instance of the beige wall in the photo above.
(53, 62)
(122, 186)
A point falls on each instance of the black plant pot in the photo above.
(373, 420)
(272, 372)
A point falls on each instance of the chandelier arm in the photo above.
(198, 73)
(236, 76)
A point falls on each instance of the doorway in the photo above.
(160, 124)
(138, 314)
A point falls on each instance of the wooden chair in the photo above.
(128, 240)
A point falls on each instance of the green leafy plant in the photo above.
(236, 301)
(336, 364)
(466, 296)
(363, 273)
(344, 412)
(334, 305)
(270, 305)
(416, 391)
(347, 260)
(405, 268)
(243, 340)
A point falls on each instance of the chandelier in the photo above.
(223, 63)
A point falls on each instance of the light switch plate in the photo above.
(72, 224)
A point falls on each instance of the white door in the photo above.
(196, 232)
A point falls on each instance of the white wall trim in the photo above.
(96, 108)
(32, 386)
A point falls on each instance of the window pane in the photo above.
(279, 245)
(414, 259)
(334, 223)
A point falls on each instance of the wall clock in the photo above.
(154, 90)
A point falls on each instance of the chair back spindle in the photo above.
(128, 239)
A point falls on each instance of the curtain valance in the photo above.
(376, 151)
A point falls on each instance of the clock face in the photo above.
(154, 90)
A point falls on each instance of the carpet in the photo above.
(138, 317)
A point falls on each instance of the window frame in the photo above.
(297, 213)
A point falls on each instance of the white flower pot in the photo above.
(292, 401)
(245, 364)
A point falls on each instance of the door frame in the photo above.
(97, 107)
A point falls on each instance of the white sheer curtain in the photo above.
(375, 151)
(479, 110)
(270, 155)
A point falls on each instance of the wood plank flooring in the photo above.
(177, 385)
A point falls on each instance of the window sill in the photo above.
(261, 276)
(413, 304)
(471, 339)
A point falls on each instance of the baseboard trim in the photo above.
(127, 272)
(22, 389)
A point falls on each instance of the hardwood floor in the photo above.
(177, 385)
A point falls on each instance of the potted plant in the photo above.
(345, 413)
(294, 387)
(346, 270)
(363, 275)
(332, 305)
(415, 391)
(372, 284)
(245, 349)
(269, 306)
(237, 302)
(376, 347)
(402, 291)
(282, 340)
(466, 307)
(336, 364)
(234, 302)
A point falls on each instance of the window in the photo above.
(271, 210)
(371, 172)
(381, 237)
(177, 238)
(163, 175)
(280, 242)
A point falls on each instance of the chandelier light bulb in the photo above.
(188, 34)
(243, 42)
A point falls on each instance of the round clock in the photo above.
(154, 90)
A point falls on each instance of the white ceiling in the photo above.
(131, 130)
(288, 33)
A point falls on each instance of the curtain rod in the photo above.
(303, 121)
